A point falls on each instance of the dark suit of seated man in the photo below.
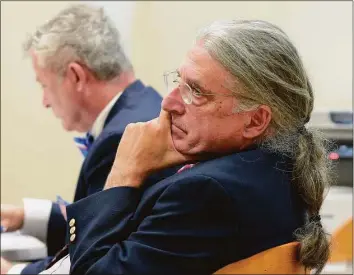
(96, 91)
(255, 176)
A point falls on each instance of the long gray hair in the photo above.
(261, 58)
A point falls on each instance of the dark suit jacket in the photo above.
(137, 103)
(193, 222)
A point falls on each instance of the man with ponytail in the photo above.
(236, 113)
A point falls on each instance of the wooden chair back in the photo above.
(277, 260)
(342, 243)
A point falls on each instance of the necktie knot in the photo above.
(84, 143)
(89, 139)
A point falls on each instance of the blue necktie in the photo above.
(84, 143)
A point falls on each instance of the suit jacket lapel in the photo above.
(125, 99)
(128, 99)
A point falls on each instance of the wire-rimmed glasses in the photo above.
(188, 94)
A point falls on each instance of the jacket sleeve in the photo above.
(56, 230)
(185, 231)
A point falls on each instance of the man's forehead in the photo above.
(199, 66)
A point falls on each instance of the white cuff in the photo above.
(16, 269)
(37, 212)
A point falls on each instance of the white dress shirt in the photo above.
(37, 211)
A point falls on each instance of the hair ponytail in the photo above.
(311, 176)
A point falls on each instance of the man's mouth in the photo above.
(178, 130)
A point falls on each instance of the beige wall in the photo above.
(39, 159)
(322, 31)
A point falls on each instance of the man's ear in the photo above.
(77, 75)
(258, 122)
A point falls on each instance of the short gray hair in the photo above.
(80, 33)
(267, 69)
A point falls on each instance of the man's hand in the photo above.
(5, 266)
(12, 217)
(145, 147)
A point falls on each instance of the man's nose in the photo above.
(173, 103)
(45, 102)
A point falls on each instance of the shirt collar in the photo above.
(98, 125)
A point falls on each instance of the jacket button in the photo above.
(72, 230)
(72, 222)
(72, 237)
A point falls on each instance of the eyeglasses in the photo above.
(189, 95)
